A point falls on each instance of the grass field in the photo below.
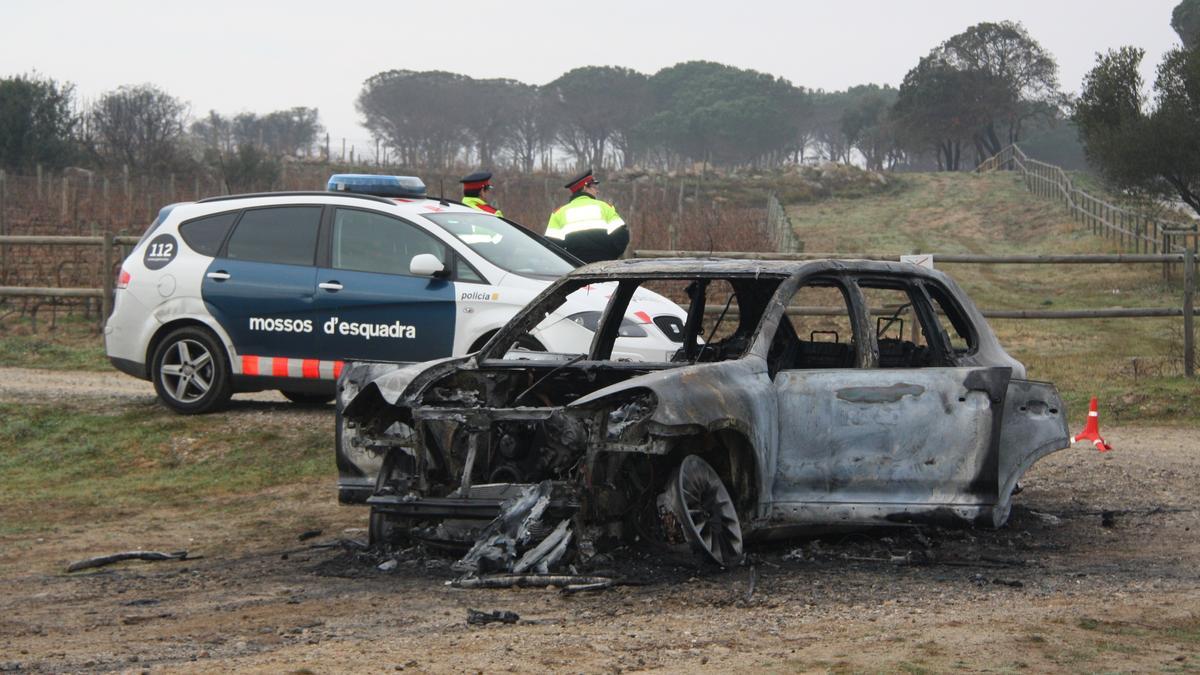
(101, 461)
(1134, 366)
(70, 342)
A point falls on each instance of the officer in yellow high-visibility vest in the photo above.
(474, 186)
(588, 228)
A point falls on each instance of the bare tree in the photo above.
(141, 126)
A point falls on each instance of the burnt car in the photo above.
(804, 395)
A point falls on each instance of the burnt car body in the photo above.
(805, 395)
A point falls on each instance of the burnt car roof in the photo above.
(718, 266)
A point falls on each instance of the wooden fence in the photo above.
(779, 227)
(1187, 310)
(105, 269)
(1129, 229)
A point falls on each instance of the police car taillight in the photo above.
(123, 279)
(379, 186)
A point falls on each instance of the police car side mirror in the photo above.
(427, 265)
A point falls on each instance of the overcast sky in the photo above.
(262, 56)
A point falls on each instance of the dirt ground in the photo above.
(1096, 570)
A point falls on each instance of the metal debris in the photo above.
(100, 561)
(545, 555)
(530, 581)
(497, 546)
(478, 618)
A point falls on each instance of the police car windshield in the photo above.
(503, 244)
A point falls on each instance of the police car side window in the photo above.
(464, 272)
(365, 241)
(283, 234)
(204, 235)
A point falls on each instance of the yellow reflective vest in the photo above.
(481, 205)
(580, 214)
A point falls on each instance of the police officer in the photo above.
(588, 228)
(474, 186)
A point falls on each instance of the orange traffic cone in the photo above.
(1091, 432)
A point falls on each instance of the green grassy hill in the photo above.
(1133, 365)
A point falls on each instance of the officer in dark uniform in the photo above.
(589, 228)
(474, 186)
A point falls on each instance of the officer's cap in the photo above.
(581, 181)
(477, 180)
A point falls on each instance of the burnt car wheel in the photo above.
(385, 530)
(306, 398)
(190, 372)
(699, 500)
(381, 529)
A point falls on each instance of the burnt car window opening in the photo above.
(723, 317)
(954, 326)
(371, 242)
(537, 311)
(817, 332)
(503, 244)
(898, 321)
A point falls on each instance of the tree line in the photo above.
(147, 130)
(987, 83)
(977, 89)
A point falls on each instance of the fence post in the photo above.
(1166, 265)
(106, 279)
(128, 195)
(1189, 292)
(3, 224)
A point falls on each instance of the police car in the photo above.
(278, 290)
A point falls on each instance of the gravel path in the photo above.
(24, 383)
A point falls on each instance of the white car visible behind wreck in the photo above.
(804, 394)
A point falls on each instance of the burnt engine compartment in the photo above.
(499, 424)
(546, 384)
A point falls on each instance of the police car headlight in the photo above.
(591, 321)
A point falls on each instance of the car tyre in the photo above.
(306, 398)
(708, 516)
(191, 372)
(384, 530)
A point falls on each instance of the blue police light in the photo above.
(380, 186)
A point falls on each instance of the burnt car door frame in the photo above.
(903, 422)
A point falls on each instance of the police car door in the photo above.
(260, 286)
(370, 306)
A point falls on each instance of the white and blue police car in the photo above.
(278, 290)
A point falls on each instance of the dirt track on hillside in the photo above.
(1095, 571)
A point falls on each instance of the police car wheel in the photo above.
(306, 398)
(190, 371)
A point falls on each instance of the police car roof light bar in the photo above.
(379, 186)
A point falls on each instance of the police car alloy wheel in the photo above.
(191, 374)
